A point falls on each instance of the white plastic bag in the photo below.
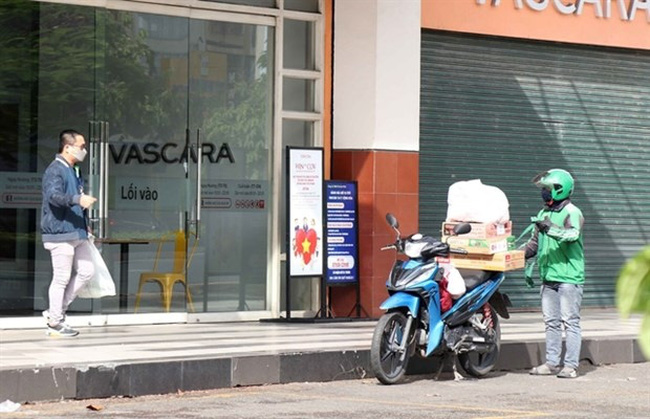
(472, 201)
(101, 284)
(455, 282)
(8, 406)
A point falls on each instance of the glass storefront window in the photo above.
(299, 45)
(170, 91)
(258, 3)
(298, 134)
(46, 85)
(298, 95)
(161, 93)
(302, 5)
(297, 5)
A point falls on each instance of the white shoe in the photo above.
(568, 372)
(545, 369)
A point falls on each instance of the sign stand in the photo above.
(305, 237)
(342, 232)
(321, 231)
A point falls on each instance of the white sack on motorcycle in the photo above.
(472, 201)
(455, 281)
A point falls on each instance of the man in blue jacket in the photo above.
(64, 230)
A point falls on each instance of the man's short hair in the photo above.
(67, 137)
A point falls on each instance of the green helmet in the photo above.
(558, 181)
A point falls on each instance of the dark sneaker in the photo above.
(545, 369)
(61, 330)
(567, 372)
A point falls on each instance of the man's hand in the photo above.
(86, 201)
(543, 225)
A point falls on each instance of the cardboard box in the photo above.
(502, 261)
(487, 246)
(480, 230)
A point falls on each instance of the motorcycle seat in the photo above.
(474, 277)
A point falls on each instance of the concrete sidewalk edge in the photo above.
(137, 379)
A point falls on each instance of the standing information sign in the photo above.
(342, 265)
(305, 210)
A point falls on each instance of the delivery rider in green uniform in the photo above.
(557, 243)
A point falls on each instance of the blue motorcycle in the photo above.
(413, 321)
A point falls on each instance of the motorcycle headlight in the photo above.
(414, 249)
(409, 277)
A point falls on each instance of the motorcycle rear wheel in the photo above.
(384, 354)
(480, 364)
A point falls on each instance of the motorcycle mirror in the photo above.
(392, 221)
(462, 228)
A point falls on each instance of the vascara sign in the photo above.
(151, 153)
(603, 8)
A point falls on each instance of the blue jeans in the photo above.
(561, 307)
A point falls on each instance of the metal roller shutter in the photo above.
(503, 110)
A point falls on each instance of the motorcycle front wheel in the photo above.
(386, 359)
(479, 364)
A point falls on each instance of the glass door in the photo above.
(187, 104)
(140, 158)
(46, 85)
(231, 125)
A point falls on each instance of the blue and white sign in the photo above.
(342, 233)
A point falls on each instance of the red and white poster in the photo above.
(305, 211)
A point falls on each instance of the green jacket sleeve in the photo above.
(569, 231)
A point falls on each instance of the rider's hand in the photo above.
(543, 225)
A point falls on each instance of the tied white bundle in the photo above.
(455, 282)
(473, 202)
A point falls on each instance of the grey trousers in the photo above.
(67, 258)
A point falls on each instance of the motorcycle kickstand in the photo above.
(442, 365)
(457, 375)
(454, 361)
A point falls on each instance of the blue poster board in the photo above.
(342, 265)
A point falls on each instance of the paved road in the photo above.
(611, 391)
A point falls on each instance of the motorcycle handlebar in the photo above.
(458, 251)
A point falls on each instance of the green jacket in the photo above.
(560, 252)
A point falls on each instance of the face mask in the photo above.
(546, 195)
(78, 153)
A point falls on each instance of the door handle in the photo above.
(93, 172)
(199, 155)
(103, 207)
(98, 139)
(186, 165)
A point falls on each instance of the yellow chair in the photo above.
(167, 280)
